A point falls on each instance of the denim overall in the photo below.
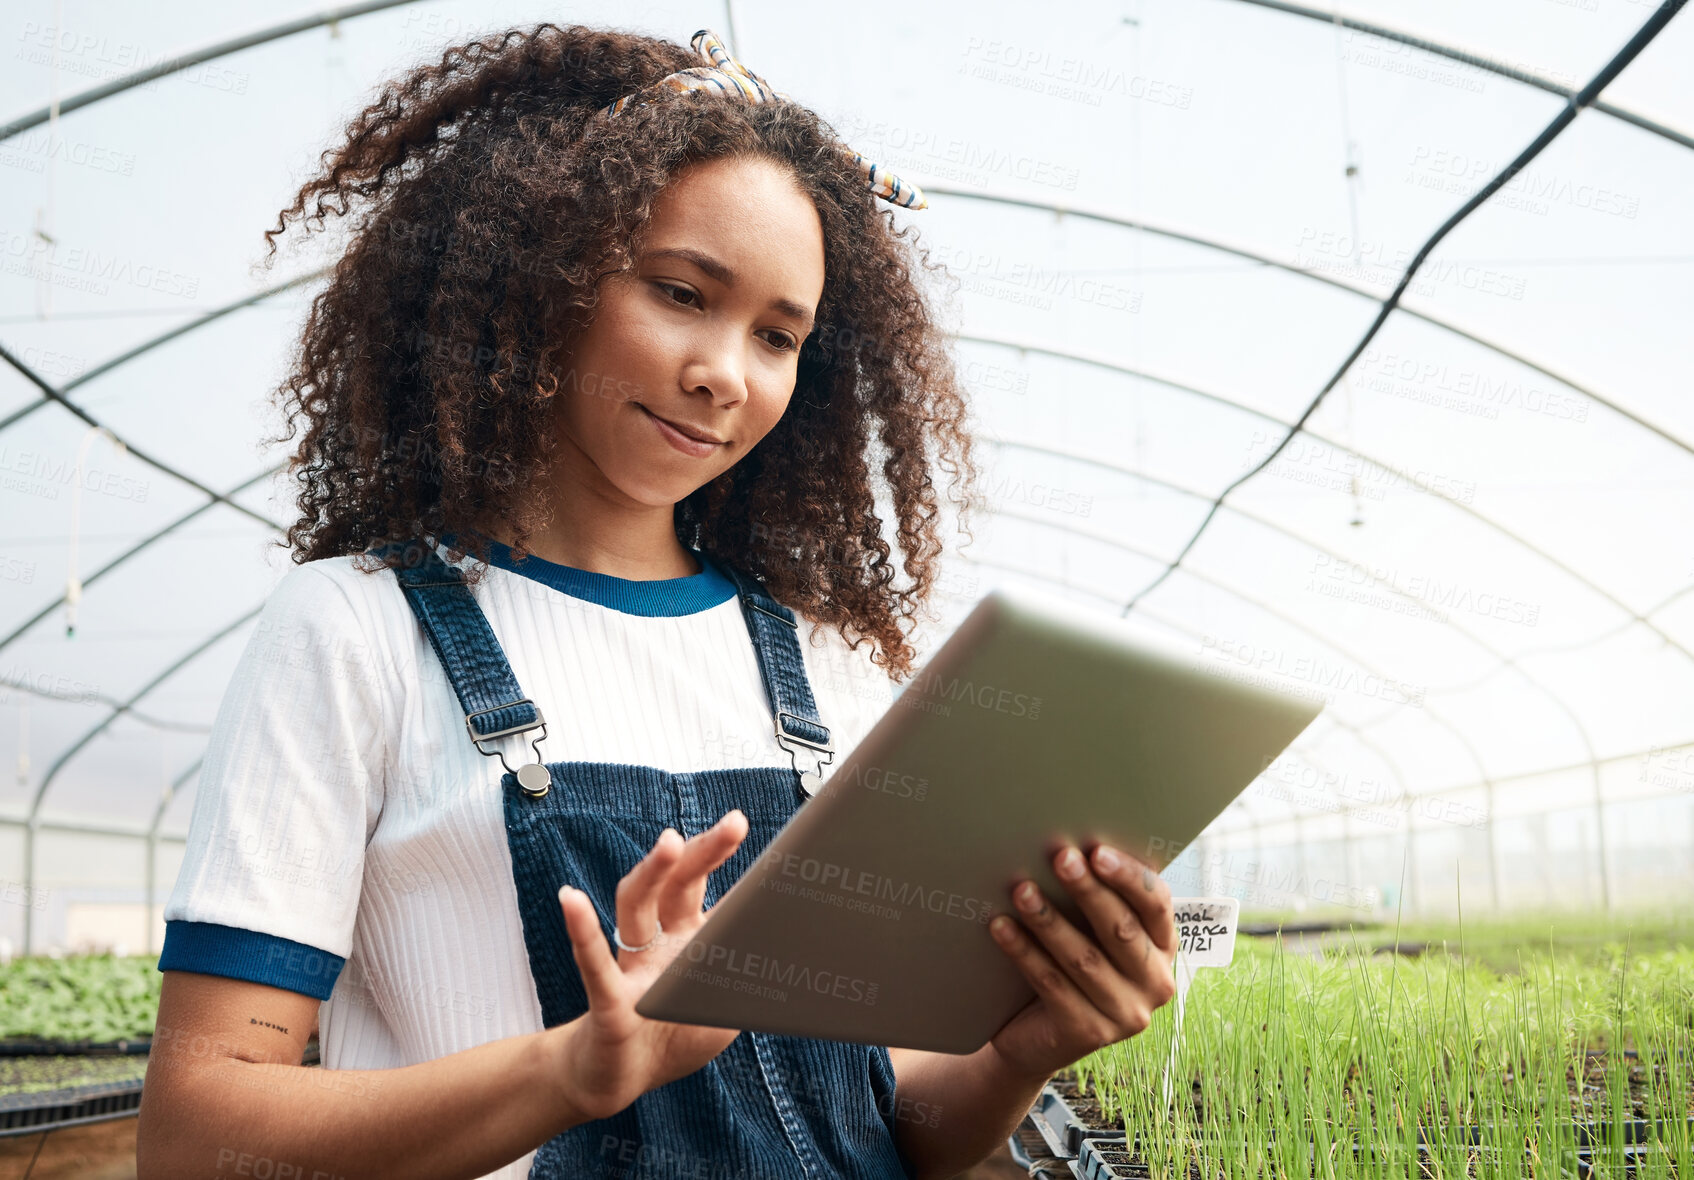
(766, 1107)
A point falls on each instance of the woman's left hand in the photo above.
(1092, 987)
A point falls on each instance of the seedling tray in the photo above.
(1057, 1117)
(1115, 1160)
(1029, 1151)
(48, 1047)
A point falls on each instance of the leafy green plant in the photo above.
(95, 998)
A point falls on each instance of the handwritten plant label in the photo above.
(1205, 930)
(1205, 937)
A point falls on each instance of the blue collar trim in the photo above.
(661, 597)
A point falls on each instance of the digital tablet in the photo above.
(866, 918)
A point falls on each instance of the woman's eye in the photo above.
(687, 297)
(673, 291)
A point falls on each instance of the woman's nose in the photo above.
(719, 367)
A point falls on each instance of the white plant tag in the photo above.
(1205, 937)
(1205, 930)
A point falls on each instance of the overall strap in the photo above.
(481, 676)
(775, 641)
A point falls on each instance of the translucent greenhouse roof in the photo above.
(1461, 510)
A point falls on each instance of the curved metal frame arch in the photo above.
(195, 57)
(1457, 628)
(1327, 280)
(1643, 37)
(165, 798)
(145, 543)
(1503, 661)
(123, 707)
(1299, 625)
(59, 395)
(33, 822)
(1336, 722)
(1480, 517)
(1453, 53)
(1581, 729)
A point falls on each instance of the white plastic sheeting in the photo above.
(1166, 225)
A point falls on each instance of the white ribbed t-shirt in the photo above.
(343, 813)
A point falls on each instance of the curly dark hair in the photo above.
(492, 204)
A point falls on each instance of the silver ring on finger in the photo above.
(617, 938)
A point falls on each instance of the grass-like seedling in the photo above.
(1570, 1061)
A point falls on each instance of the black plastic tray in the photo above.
(47, 1110)
(1105, 1158)
(1061, 1128)
(43, 1047)
(1029, 1151)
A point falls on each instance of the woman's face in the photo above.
(703, 333)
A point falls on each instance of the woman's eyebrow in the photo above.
(723, 274)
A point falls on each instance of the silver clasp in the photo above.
(817, 754)
(532, 778)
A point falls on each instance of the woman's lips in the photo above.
(679, 440)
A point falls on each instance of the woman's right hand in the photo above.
(611, 1055)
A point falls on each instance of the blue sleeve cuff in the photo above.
(229, 951)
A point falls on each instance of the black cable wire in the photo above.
(148, 345)
(1573, 106)
(52, 394)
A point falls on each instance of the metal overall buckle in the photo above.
(820, 753)
(533, 779)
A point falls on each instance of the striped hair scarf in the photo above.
(725, 76)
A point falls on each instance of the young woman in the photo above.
(594, 396)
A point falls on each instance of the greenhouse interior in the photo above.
(1334, 347)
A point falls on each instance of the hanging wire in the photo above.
(1349, 153)
(1574, 106)
(44, 212)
